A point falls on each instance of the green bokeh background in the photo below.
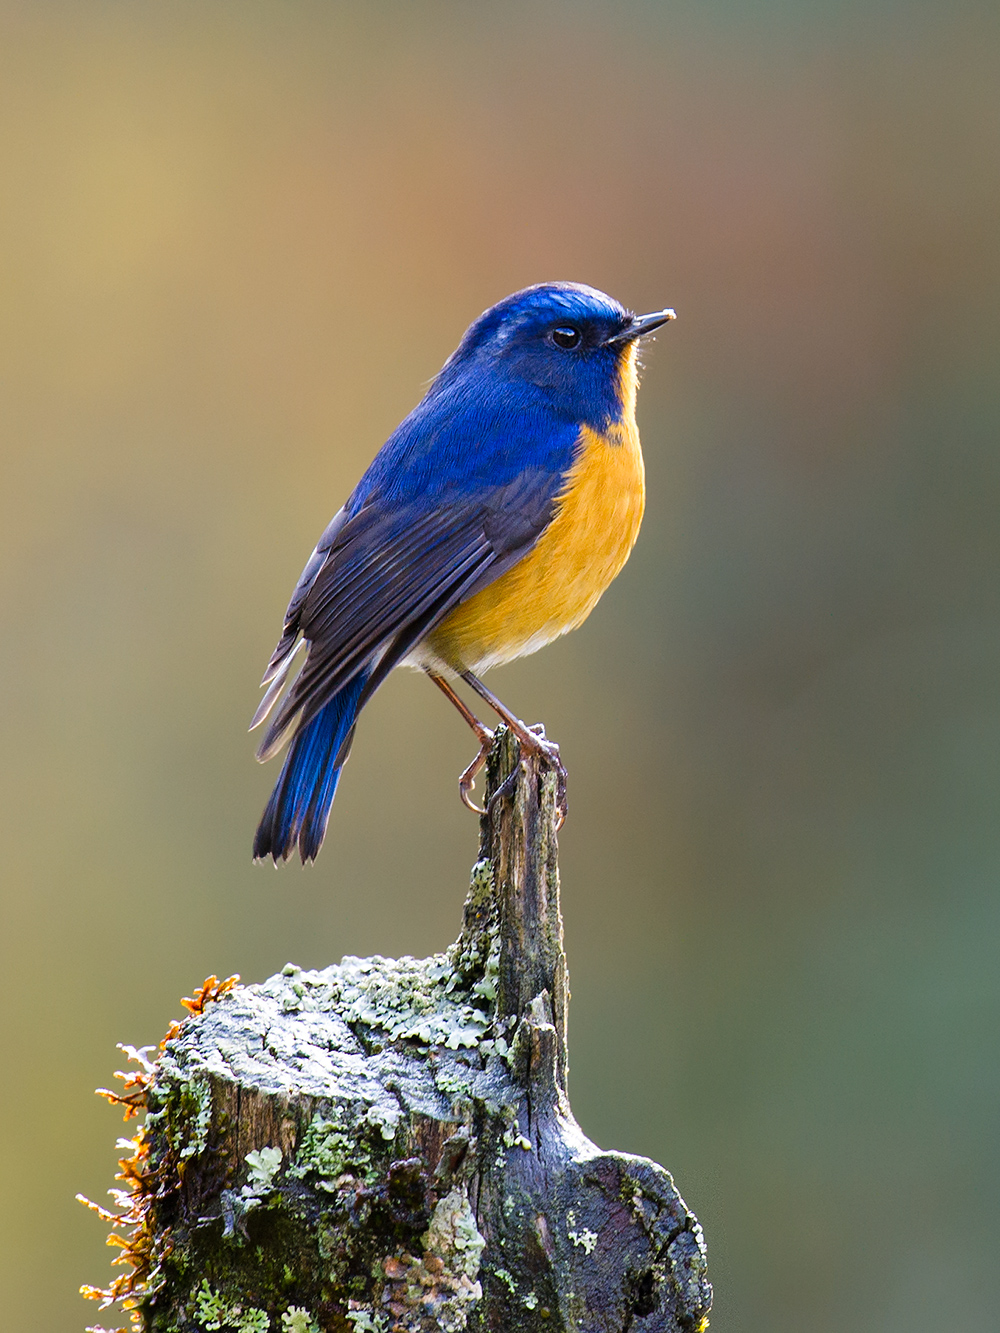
(236, 239)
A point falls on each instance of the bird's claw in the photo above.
(534, 749)
(550, 751)
(468, 779)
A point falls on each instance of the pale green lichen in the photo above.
(385, 1119)
(506, 1278)
(298, 1320)
(409, 999)
(328, 1152)
(530, 1301)
(585, 1239)
(213, 1312)
(185, 1114)
(443, 1285)
(365, 1320)
(453, 1234)
(476, 953)
(495, 1046)
(445, 1000)
(582, 1238)
(264, 1165)
(210, 1309)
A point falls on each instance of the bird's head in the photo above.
(572, 342)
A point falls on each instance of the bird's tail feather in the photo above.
(299, 807)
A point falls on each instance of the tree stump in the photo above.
(387, 1146)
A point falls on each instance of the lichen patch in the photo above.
(438, 1291)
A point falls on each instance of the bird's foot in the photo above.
(468, 779)
(537, 751)
(535, 748)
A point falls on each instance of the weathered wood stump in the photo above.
(387, 1145)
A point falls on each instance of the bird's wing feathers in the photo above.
(280, 661)
(388, 575)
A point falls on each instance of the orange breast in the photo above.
(558, 583)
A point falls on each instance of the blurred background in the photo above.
(236, 240)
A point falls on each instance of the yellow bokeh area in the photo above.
(236, 241)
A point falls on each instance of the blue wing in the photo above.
(459, 493)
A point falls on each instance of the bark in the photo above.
(387, 1145)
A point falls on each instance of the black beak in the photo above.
(640, 325)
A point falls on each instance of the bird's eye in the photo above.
(566, 337)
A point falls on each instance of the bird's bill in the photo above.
(641, 325)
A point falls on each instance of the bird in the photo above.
(489, 523)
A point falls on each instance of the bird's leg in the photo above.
(483, 734)
(532, 745)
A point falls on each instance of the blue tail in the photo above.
(299, 807)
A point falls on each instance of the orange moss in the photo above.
(144, 1185)
(213, 989)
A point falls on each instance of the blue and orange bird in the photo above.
(489, 523)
